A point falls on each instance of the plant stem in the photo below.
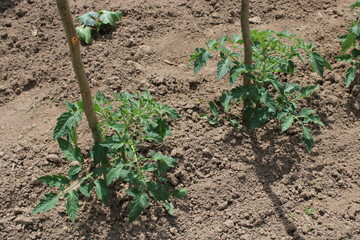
(75, 184)
(78, 66)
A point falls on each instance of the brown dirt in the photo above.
(255, 185)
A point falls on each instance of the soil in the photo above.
(242, 185)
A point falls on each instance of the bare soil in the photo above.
(242, 185)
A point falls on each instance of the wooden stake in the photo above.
(78, 66)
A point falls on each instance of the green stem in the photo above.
(138, 167)
(75, 184)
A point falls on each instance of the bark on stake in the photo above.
(245, 30)
(78, 66)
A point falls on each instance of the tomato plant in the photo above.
(351, 41)
(126, 124)
(93, 23)
(267, 96)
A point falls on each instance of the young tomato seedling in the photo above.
(351, 40)
(267, 97)
(127, 124)
(93, 23)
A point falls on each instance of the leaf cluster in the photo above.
(93, 23)
(267, 97)
(128, 121)
(351, 48)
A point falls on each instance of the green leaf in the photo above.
(307, 138)
(150, 167)
(116, 172)
(162, 127)
(55, 181)
(292, 87)
(88, 19)
(286, 34)
(234, 123)
(99, 96)
(355, 53)
(355, 5)
(71, 107)
(169, 208)
(180, 193)
(255, 118)
(102, 191)
(73, 172)
(225, 101)
(355, 29)
(85, 188)
(223, 67)
(344, 58)
(268, 100)
(72, 204)
(133, 192)
(84, 33)
(65, 123)
(137, 206)
(158, 191)
(350, 76)
(213, 121)
(152, 136)
(202, 57)
(74, 136)
(213, 109)
(290, 67)
(237, 38)
(313, 118)
(306, 112)
(111, 18)
(99, 171)
(171, 112)
(169, 161)
(119, 128)
(99, 154)
(47, 203)
(70, 153)
(350, 40)
(308, 90)
(211, 43)
(164, 162)
(286, 122)
(235, 73)
(317, 62)
(281, 114)
(222, 40)
(114, 143)
(241, 92)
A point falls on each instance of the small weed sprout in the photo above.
(309, 211)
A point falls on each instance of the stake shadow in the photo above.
(271, 166)
(353, 101)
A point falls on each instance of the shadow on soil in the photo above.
(353, 101)
(5, 4)
(270, 166)
(116, 225)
